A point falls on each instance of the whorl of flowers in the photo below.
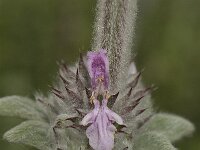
(81, 113)
(83, 105)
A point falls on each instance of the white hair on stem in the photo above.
(113, 31)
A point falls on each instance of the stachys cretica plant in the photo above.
(100, 102)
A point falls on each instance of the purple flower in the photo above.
(98, 68)
(101, 131)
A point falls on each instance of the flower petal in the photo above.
(98, 68)
(114, 116)
(87, 119)
(90, 117)
(101, 133)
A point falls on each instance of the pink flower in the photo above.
(101, 130)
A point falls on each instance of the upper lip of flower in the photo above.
(98, 68)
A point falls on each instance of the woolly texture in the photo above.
(69, 101)
(113, 31)
(57, 121)
(54, 121)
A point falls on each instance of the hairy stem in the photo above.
(113, 31)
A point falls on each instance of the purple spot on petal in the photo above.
(98, 68)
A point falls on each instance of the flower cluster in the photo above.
(82, 112)
(106, 118)
(109, 120)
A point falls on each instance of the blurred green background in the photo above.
(35, 34)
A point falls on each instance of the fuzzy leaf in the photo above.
(153, 141)
(16, 106)
(172, 126)
(31, 133)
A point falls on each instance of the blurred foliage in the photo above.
(168, 42)
(34, 35)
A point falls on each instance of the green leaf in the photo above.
(16, 106)
(172, 126)
(33, 133)
(153, 141)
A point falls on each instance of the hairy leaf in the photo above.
(172, 126)
(16, 106)
(153, 141)
(33, 133)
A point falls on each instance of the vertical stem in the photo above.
(113, 31)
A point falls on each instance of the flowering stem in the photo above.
(113, 31)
